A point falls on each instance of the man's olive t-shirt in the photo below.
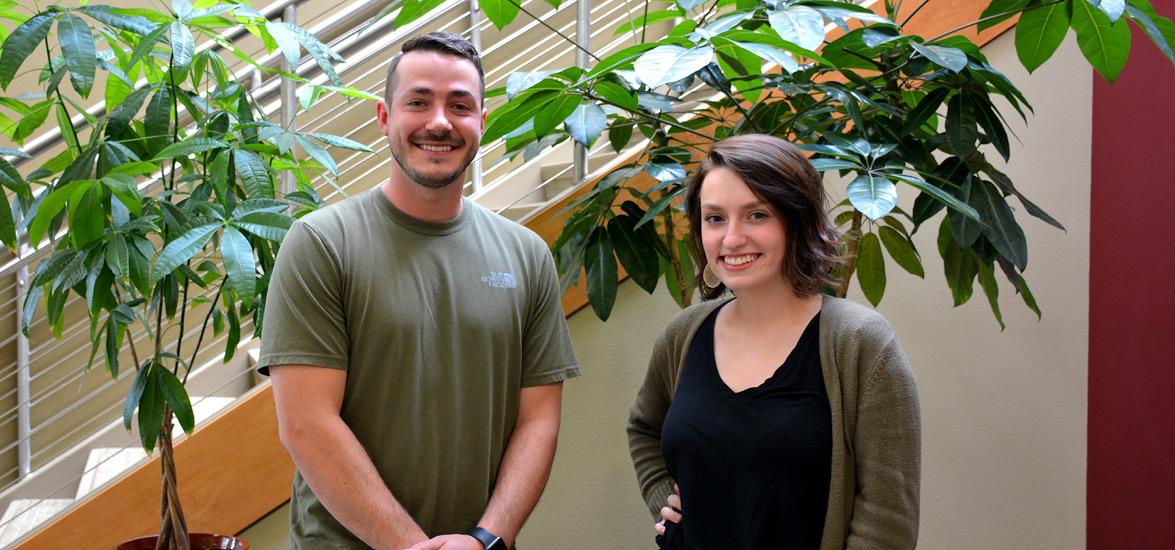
(439, 326)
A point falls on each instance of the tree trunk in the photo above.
(173, 529)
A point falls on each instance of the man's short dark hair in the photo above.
(441, 42)
(778, 173)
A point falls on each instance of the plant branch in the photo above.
(994, 16)
(203, 329)
(915, 12)
(556, 31)
(851, 238)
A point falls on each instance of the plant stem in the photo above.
(645, 27)
(203, 328)
(915, 12)
(851, 238)
(556, 31)
(994, 16)
(60, 100)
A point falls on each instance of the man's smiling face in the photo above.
(435, 120)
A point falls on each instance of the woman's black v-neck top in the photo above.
(753, 466)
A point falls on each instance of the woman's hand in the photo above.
(670, 512)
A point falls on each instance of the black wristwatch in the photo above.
(488, 539)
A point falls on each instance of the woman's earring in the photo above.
(709, 278)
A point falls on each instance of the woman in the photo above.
(789, 419)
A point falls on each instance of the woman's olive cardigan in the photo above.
(876, 433)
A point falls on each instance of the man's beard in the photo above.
(425, 180)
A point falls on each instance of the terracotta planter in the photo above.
(200, 541)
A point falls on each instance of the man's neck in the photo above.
(423, 203)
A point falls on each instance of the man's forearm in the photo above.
(522, 477)
(338, 470)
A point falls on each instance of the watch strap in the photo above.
(489, 540)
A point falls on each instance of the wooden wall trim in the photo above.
(231, 472)
(234, 470)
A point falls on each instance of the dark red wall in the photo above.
(1130, 498)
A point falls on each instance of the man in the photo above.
(416, 341)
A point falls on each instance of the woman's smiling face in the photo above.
(742, 236)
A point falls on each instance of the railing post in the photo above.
(583, 36)
(475, 39)
(289, 101)
(23, 428)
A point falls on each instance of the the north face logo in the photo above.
(499, 280)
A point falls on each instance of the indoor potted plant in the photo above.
(163, 214)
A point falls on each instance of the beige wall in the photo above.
(1003, 412)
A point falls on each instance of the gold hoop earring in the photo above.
(709, 278)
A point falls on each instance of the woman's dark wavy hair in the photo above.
(779, 174)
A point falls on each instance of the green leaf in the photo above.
(619, 59)
(66, 127)
(146, 45)
(586, 123)
(253, 173)
(800, 25)
(555, 113)
(321, 53)
(134, 396)
(638, 258)
(515, 114)
(1104, 44)
(114, 334)
(21, 43)
(644, 20)
(151, 405)
(50, 207)
(902, 251)
(600, 262)
(521, 81)
(965, 230)
(993, 127)
(616, 95)
(7, 224)
(1005, 184)
(287, 41)
(157, 120)
(339, 141)
(267, 225)
(87, 218)
(499, 12)
(959, 265)
(234, 332)
(115, 18)
(620, 134)
(1160, 29)
(318, 153)
(239, 263)
(991, 290)
(670, 63)
(118, 257)
(1000, 227)
(190, 146)
(943, 56)
(870, 268)
(772, 54)
(962, 131)
(181, 250)
(873, 195)
(938, 193)
(1000, 7)
(1021, 285)
(1040, 32)
(183, 46)
(926, 108)
(176, 397)
(77, 45)
(10, 178)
